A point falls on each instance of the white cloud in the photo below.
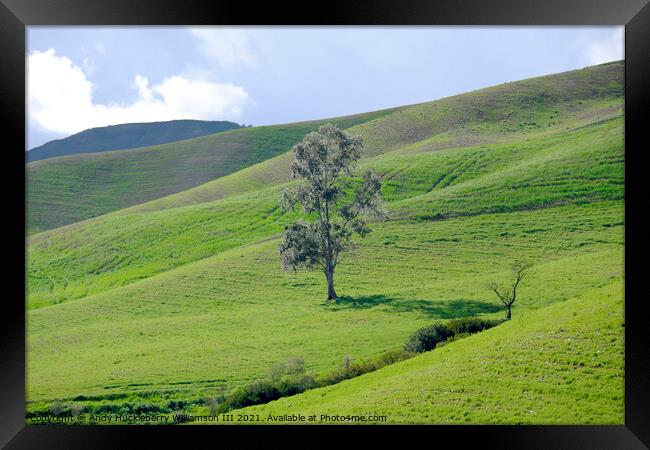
(226, 46)
(60, 98)
(608, 49)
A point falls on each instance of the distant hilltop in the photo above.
(128, 136)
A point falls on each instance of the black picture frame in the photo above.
(16, 15)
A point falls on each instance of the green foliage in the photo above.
(428, 338)
(346, 371)
(393, 356)
(425, 339)
(320, 161)
(354, 369)
(284, 380)
(289, 379)
(471, 325)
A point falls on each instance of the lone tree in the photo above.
(508, 295)
(335, 207)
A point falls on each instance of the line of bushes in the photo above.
(291, 378)
(133, 405)
(428, 338)
(60, 409)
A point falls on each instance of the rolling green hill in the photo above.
(155, 307)
(68, 189)
(235, 314)
(126, 136)
(505, 113)
(577, 166)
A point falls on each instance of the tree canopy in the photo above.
(335, 205)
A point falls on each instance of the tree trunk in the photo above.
(331, 293)
(508, 314)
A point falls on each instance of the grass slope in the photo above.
(578, 166)
(506, 113)
(68, 189)
(559, 365)
(126, 136)
(217, 321)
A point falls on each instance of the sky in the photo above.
(85, 77)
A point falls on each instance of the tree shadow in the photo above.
(442, 309)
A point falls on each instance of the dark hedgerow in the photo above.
(347, 372)
(395, 356)
(264, 391)
(472, 325)
(176, 405)
(427, 338)
(289, 379)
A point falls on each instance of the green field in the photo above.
(156, 306)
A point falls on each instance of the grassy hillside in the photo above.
(128, 135)
(579, 166)
(506, 113)
(155, 307)
(560, 365)
(68, 189)
(235, 314)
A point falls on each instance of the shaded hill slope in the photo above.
(126, 136)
